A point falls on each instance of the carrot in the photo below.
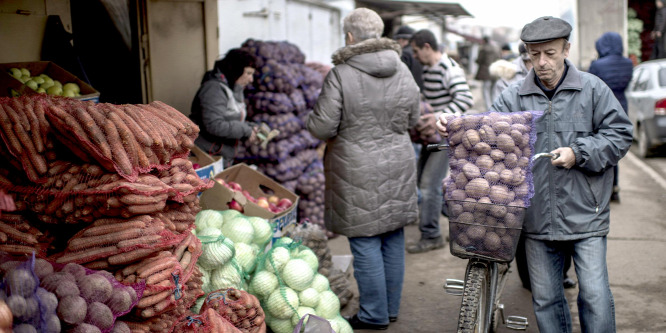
(138, 199)
(93, 132)
(126, 137)
(3, 237)
(8, 132)
(145, 240)
(35, 130)
(139, 133)
(130, 256)
(138, 115)
(110, 228)
(17, 249)
(180, 249)
(77, 244)
(116, 220)
(120, 158)
(159, 276)
(145, 302)
(185, 261)
(129, 279)
(20, 113)
(155, 266)
(178, 117)
(164, 304)
(80, 257)
(146, 209)
(44, 126)
(17, 235)
(98, 265)
(158, 287)
(59, 199)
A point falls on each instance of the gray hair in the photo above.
(363, 24)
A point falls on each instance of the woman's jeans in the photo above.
(431, 170)
(596, 307)
(379, 270)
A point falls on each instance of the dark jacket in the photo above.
(414, 65)
(367, 104)
(221, 126)
(570, 204)
(487, 55)
(612, 67)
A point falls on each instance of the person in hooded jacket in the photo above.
(367, 103)
(585, 125)
(616, 70)
(219, 109)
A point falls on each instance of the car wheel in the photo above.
(643, 142)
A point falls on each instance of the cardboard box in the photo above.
(258, 185)
(9, 83)
(209, 166)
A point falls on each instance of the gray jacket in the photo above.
(367, 103)
(584, 115)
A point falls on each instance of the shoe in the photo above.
(393, 319)
(569, 283)
(357, 324)
(425, 245)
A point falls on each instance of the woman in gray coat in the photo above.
(368, 102)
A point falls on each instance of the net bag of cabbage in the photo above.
(238, 307)
(288, 286)
(490, 182)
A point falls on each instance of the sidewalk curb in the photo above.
(647, 169)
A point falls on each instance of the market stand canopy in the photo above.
(391, 9)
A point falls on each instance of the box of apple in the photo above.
(28, 78)
(249, 191)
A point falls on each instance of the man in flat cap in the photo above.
(585, 125)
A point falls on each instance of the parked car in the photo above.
(646, 97)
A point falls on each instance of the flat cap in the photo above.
(404, 32)
(545, 29)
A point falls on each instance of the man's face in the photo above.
(548, 60)
(422, 54)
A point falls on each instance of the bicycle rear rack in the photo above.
(513, 322)
(454, 287)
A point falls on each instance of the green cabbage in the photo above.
(227, 276)
(320, 283)
(282, 303)
(216, 250)
(246, 256)
(262, 230)
(309, 297)
(300, 312)
(329, 305)
(297, 274)
(239, 229)
(263, 284)
(208, 218)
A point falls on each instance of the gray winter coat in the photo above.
(584, 115)
(367, 103)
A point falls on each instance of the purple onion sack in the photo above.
(490, 182)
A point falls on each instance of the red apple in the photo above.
(235, 205)
(249, 196)
(272, 207)
(234, 186)
(284, 203)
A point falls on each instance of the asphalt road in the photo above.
(637, 268)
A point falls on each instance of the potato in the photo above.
(521, 190)
(66, 288)
(518, 176)
(506, 176)
(498, 167)
(48, 300)
(86, 328)
(471, 171)
(76, 270)
(460, 152)
(527, 151)
(31, 308)
(508, 242)
(504, 117)
(469, 205)
(484, 204)
(460, 180)
(18, 306)
(471, 122)
(487, 120)
(523, 162)
(482, 148)
(99, 315)
(501, 231)
(51, 282)
(491, 221)
(518, 152)
(472, 156)
(492, 241)
(466, 217)
(120, 327)
(497, 155)
(492, 177)
(455, 210)
(120, 301)
(511, 160)
(505, 143)
(517, 137)
(42, 268)
(454, 124)
(470, 138)
(520, 127)
(487, 134)
(72, 309)
(458, 195)
(512, 221)
(477, 188)
(501, 194)
(95, 287)
(497, 211)
(475, 232)
(462, 240)
(501, 127)
(52, 324)
(24, 328)
(456, 137)
(21, 281)
(479, 214)
(484, 162)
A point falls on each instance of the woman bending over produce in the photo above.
(368, 102)
(219, 108)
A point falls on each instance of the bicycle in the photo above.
(485, 275)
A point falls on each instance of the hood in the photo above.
(503, 69)
(376, 57)
(609, 43)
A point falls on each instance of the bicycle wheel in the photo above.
(476, 301)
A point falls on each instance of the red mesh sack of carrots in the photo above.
(18, 237)
(128, 139)
(183, 181)
(24, 131)
(239, 307)
(208, 321)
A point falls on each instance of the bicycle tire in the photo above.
(476, 294)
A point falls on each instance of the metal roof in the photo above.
(392, 8)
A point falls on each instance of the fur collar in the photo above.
(366, 46)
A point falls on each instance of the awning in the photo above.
(388, 9)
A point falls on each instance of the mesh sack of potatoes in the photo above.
(490, 182)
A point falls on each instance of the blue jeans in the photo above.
(431, 170)
(596, 308)
(379, 270)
